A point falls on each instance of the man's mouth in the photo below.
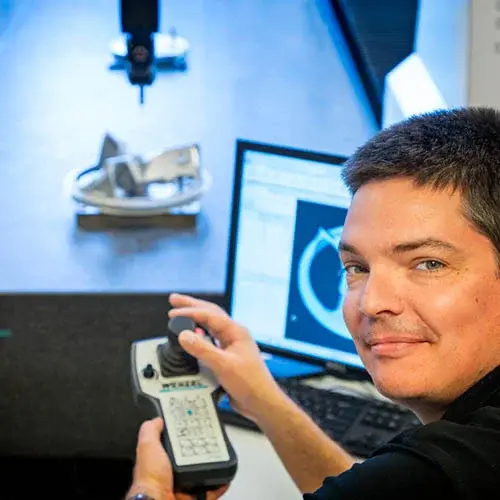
(394, 347)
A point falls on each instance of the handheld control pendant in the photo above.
(170, 383)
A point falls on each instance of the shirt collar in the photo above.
(485, 391)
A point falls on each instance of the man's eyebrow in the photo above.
(408, 246)
(423, 243)
(347, 247)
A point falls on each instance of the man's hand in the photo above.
(236, 362)
(153, 474)
(152, 471)
(308, 454)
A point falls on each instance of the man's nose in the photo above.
(381, 294)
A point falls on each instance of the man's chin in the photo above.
(397, 395)
(400, 378)
(400, 388)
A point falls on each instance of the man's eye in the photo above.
(353, 269)
(429, 265)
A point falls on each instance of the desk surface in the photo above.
(261, 473)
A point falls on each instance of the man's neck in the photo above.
(431, 410)
(427, 415)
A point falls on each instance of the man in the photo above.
(421, 253)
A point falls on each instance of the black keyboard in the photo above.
(358, 424)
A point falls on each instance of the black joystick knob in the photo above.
(174, 360)
(176, 326)
(148, 371)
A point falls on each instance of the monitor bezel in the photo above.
(243, 146)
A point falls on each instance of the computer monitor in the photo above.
(284, 279)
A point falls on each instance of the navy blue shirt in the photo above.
(456, 457)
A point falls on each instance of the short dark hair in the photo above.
(457, 149)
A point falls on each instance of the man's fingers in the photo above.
(149, 433)
(214, 494)
(202, 349)
(221, 326)
(181, 300)
(211, 494)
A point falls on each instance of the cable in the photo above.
(201, 494)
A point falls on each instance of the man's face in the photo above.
(423, 298)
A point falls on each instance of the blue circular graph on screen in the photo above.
(331, 319)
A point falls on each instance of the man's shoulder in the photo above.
(480, 425)
(476, 435)
(389, 476)
(444, 458)
(466, 452)
(487, 417)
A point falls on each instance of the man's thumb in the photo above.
(150, 431)
(200, 348)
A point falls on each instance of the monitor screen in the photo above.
(285, 280)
